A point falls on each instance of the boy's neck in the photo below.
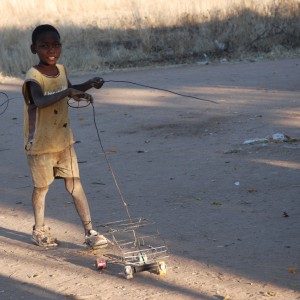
(48, 70)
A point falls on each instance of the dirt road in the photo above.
(227, 208)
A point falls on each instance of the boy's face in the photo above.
(48, 48)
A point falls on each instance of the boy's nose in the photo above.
(51, 49)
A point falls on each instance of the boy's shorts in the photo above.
(46, 167)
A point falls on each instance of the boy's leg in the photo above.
(41, 234)
(74, 187)
(38, 204)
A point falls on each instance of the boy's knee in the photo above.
(39, 195)
(72, 184)
(40, 191)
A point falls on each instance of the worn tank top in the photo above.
(46, 130)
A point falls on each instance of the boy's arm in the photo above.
(95, 82)
(40, 100)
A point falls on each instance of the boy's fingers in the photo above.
(83, 96)
(88, 97)
(76, 98)
(97, 82)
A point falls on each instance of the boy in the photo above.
(48, 139)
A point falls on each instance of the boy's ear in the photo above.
(33, 49)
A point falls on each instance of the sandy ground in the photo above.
(228, 211)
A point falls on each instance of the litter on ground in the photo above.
(274, 138)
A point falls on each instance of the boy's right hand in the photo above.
(80, 96)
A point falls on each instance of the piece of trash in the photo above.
(255, 141)
(251, 190)
(216, 203)
(293, 270)
(141, 151)
(279, 137)
(237, 183)
(205, 62)
(36, 275)
(112, 150)
(219, 45)
(285, 214)
(274, 138)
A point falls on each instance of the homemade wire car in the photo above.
(139, 246)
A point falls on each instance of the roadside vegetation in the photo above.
(102, 35)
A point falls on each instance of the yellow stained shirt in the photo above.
(46, 130)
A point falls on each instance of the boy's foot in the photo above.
(95, 240)
(43, 238)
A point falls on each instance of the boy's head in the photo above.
(46, 44)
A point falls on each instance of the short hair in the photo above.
(41, 29)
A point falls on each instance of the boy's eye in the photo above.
(47, 46)
(57, 46)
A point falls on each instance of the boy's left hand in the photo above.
(97, 82)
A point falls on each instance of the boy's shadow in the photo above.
(75, 254)
(22, 237)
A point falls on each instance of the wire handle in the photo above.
(161, 89)
(5, 102)
(109, 165)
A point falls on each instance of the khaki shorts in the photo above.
(46, 167)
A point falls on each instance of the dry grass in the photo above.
(128, 33)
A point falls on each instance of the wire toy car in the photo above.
(139, 247)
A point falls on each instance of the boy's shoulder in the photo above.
(32, 73)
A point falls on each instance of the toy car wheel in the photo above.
(161, 268)
(100, 264)
(128, 272)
